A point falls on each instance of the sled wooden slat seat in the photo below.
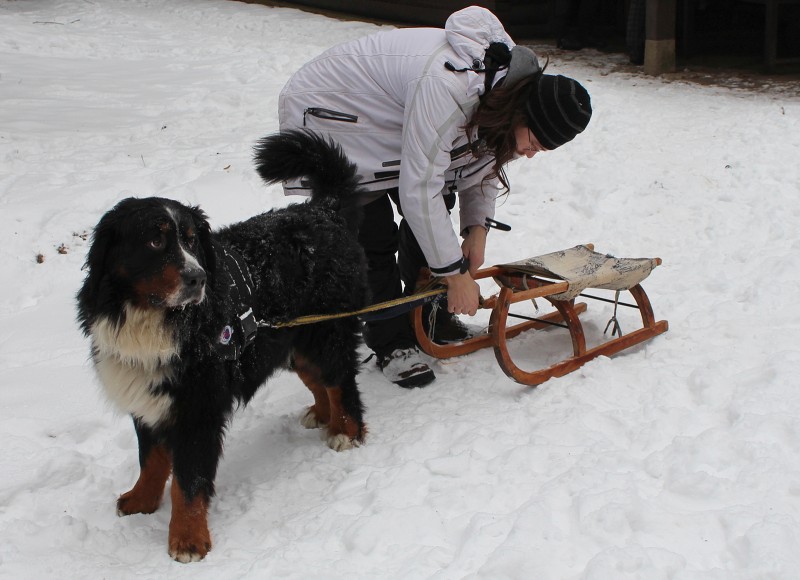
(558, 278)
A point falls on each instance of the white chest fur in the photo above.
(132, 359)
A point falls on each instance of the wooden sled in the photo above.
(558, 278)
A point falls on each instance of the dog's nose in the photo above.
(194, 278)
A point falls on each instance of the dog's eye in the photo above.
(191, 239)
(156, 243)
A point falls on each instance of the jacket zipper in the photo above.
(321, 113)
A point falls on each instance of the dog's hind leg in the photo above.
(338, 407)
(344, 430)
(155, 464)
(318, 414)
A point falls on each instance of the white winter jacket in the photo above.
(399, 113)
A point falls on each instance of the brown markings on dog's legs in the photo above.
(341, 423)
(146, 494)
(343, 430)
(189, 538)
(320, 412)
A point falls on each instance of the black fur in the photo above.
(157, 255)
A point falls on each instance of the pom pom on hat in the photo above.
(557, 109)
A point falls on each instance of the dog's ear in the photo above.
(104, 236)
(103, 239)
(203, 229)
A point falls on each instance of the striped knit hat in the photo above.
(557, 109)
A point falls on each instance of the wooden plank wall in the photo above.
(522, 18)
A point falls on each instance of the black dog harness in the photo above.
(240, 332)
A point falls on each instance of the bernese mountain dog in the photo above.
(184, 322)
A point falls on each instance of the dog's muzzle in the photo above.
(193, 286)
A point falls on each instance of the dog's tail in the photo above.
(300, 153)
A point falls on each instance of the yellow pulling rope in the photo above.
(313, 318)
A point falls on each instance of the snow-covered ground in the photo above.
(677, 459)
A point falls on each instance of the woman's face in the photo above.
(527, 143)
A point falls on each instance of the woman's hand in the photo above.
(474, 248)
(462, 294)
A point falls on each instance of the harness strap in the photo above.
(239, 333)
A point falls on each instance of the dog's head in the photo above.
(150, 253)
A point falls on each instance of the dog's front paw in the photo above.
(311, 419)
(192, 549)
(189, 537)
(135, 502)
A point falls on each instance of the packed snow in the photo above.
(679, 458)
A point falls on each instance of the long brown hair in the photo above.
(499, 113)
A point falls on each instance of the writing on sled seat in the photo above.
(583, 268)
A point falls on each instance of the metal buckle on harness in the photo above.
(234, 340)
(249, 327)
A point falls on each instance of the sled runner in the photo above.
(558, 277)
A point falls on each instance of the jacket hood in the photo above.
(470, 32)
